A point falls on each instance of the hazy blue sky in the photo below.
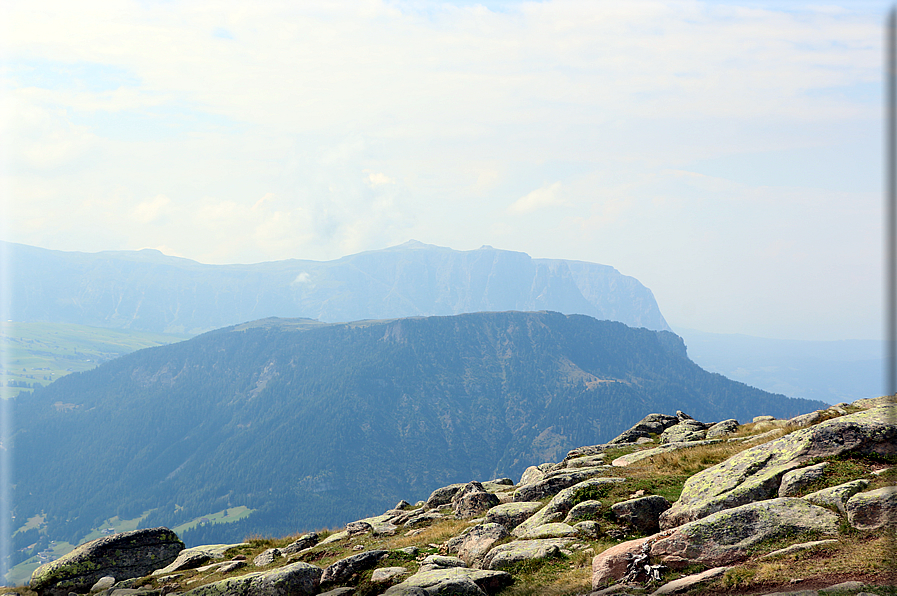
(727, 154)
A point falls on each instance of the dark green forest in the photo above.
(313, 425)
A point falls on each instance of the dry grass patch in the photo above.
(867, 558)
(686, 461)
(434, 534)
(554, 577)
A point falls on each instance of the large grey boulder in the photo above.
(642, 513)
(473, 545)
(454, 581)
(303, 542)
(795, 480)
(724, 537)
(555, 482)
(295, 579)
(652, 424)
(551, 530)
(873, 509)
(687, 430)
(122, 556)
(344, 569)
(442, 496)
(510, 553)
(721, 429)
(756, 473)
(472, 500)
(267, 557)
(837, 496)
(586, 510)
(535, 473)
(511, 515)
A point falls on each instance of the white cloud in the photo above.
(541, 198)
(153, 210)
(375, 179)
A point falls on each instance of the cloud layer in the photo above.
(727, 155)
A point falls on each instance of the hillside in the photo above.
(148, 291)
(39, 353)
(772, 507)
(312, 424)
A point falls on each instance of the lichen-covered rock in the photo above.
(535, 473)
(587, 529)
(587, 510)
(551, 530)
(498, 485)
(720, 429)
(295, 579)
(442, 562)
(687, 430)
(123, 556)
(795, 480)
(511, 515)
(586, 461)
(472, 500)
(342, 570)
(873, 509)
(724, 537)
(755, 474)
(442, 496)
(652, 424)
(267, 557)
(358, 528)
(807, 419)
(642, 513)
(837, 496)
(506, 555)
(555, 482)
(477, 541)
(561, 503)
(422, 518)
(303, 542)
(455, 581)
(387, 574)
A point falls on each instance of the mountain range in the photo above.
(148, 291)
(312, 424)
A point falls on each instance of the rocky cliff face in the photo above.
(149, 291)
(806, 502)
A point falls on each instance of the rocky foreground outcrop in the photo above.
(784, 489)
(120, 556)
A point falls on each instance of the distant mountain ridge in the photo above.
(148, 291)
(312, 424)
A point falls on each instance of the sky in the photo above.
(726, 154)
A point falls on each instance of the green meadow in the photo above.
(36, 354)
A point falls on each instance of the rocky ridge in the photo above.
(800, 506)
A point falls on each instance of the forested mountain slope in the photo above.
(315, 424)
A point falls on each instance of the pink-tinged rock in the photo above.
(610, 565)
(873, 509)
